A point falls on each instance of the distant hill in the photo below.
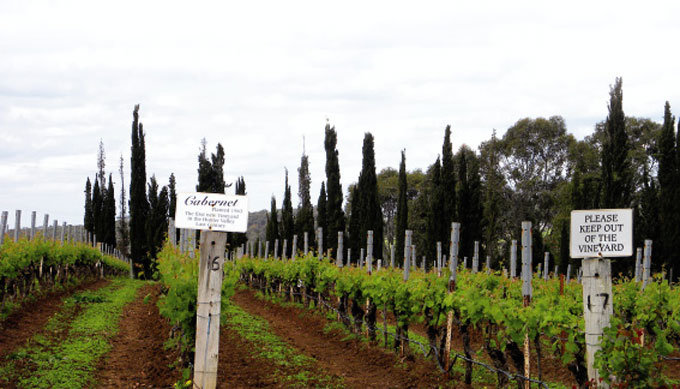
(257, 221)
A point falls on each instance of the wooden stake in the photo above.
(3, 225)
(527, 291)
(475, 258)
(513, 259)
(597, 308)
(33, 216)
(338, 256)
(208, 313)
(453, 267)
(17, 225)
(647, 263)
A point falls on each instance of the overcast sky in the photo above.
(259, 76)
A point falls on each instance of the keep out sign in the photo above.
(601, 233)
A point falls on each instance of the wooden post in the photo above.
(63, 232)
(17, 225)
(172, 232)
(306, 248)
(33, 216)
(293, 248)
(208, 308)
(453, 267)
(568, 272)
(46, 220)
(475, 258)
(546, 260)
(369, 250)
(3, 225)
(438, 264)
(407, 254)
(597, 307)
(338, 256)
(647, 263)
(638, 264)
(55, 224)
(392, 256)
(319, 237)
(439, 258)
(513, 259)
(526, 291)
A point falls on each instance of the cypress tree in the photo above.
(334, 212)
(139, 206)
(240, 188)
(236, 239)
(156, 225)
(448, 182)
(101, 165)
(173, 195)
(646, 222)
(205, 170)
(97, 207)
(109, 214)
(123, 228)
(366, 211)
(476, 208)
(88, 221)
(469, 202)
(272, 228)
(304, 221)
(355, 217)
(668, 183)
(217, 171)
(564, 247)
(287, 222)
(492, 199)
(401, 218)
(321, 216)
(616, 171)
(435, 224)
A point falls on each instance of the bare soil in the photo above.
(32, 317)
(362, 365)
(138, 358)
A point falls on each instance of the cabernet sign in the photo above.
(601, 233)
(212, 211)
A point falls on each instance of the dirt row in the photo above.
(138, 358)
(360, 364)
(32, 316)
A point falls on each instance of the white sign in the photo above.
(211, 211)
(601, 233)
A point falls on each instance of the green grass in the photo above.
(66, 353)
(291, 366)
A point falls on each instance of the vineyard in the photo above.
(306, 322)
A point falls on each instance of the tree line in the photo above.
(141, 235)
(536, 171)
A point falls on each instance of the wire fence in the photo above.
(423, 347)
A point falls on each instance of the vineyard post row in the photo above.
(67, 232)
(594, 275)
